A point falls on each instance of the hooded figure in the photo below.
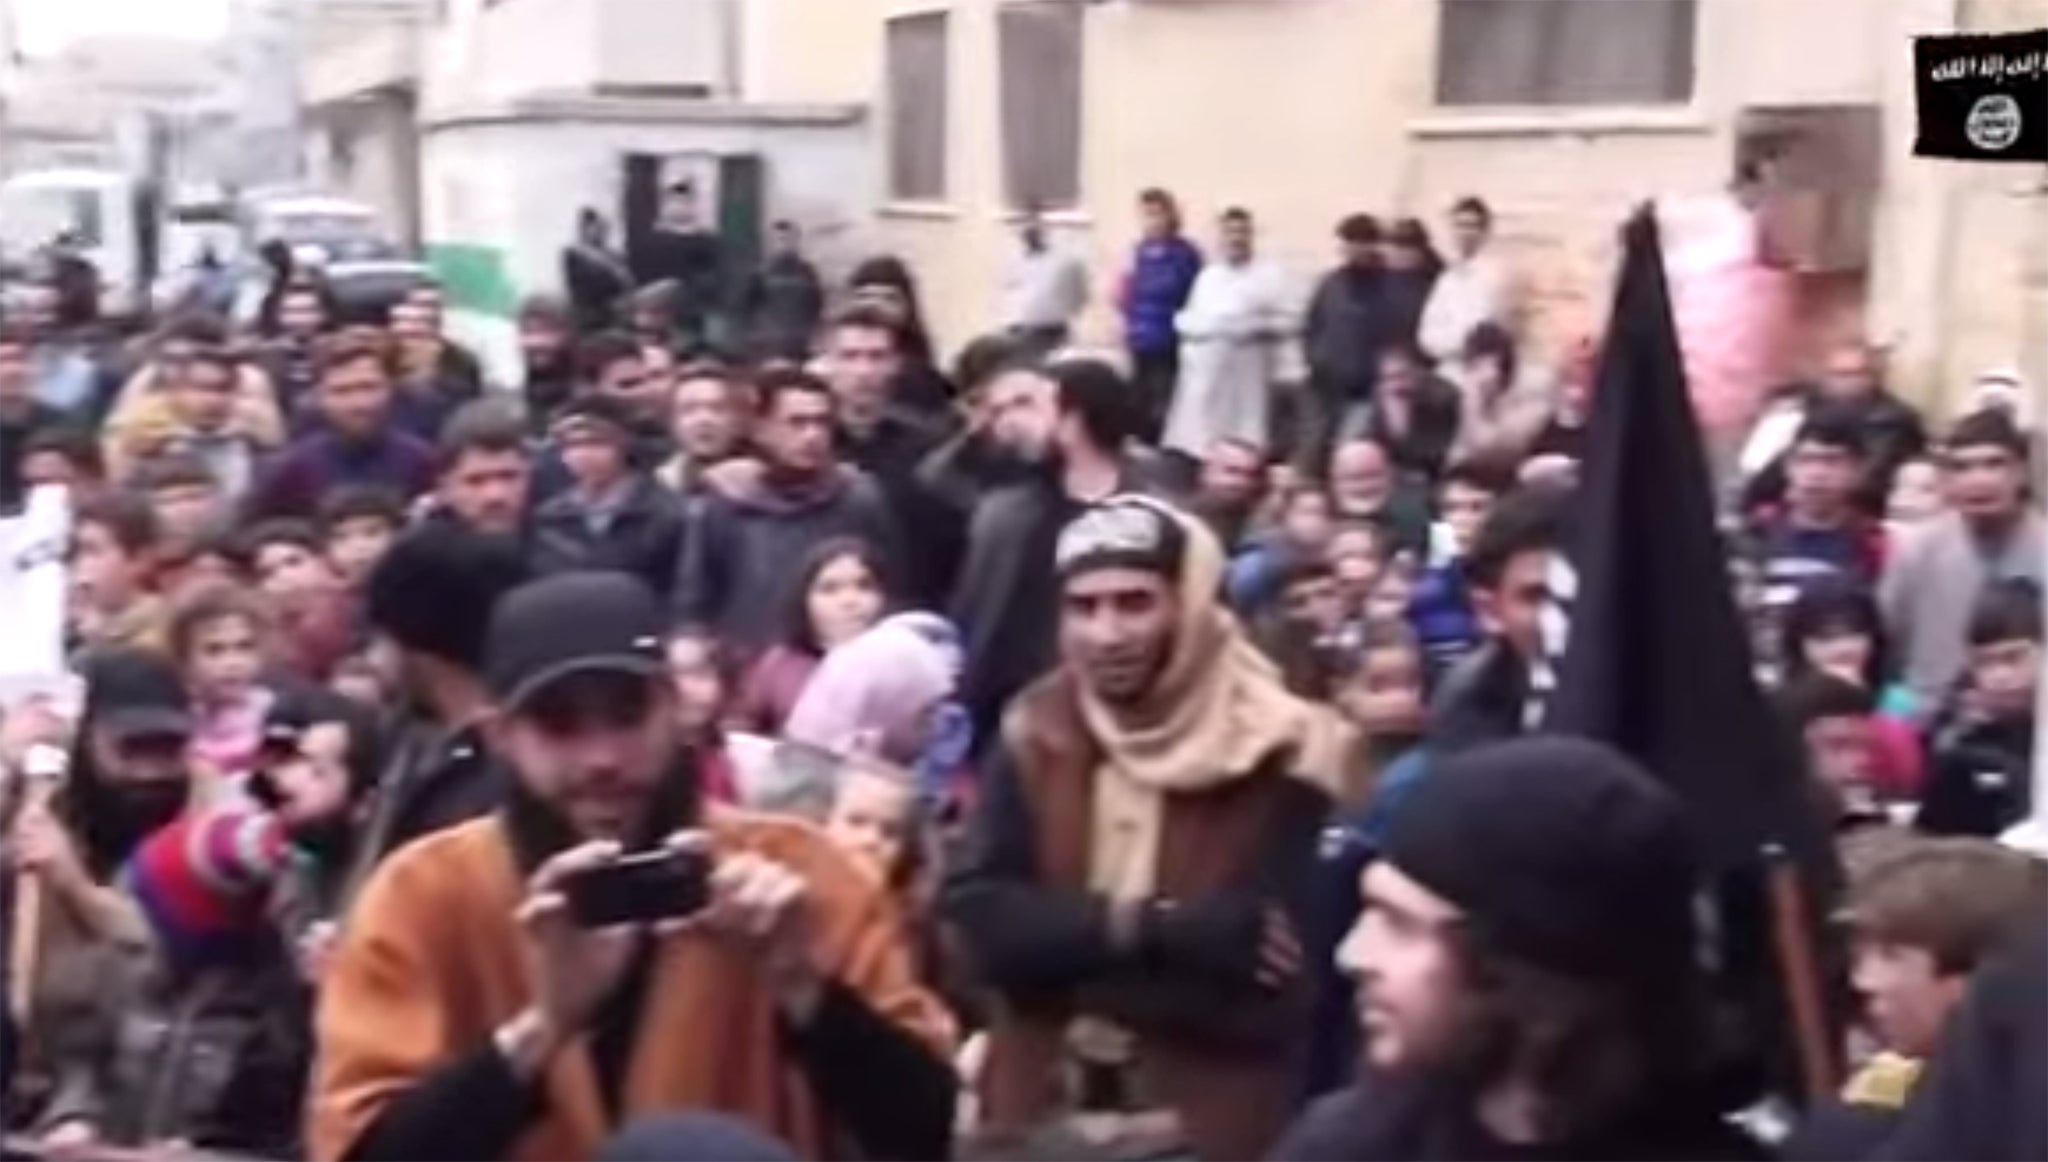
(877, 694)
(1143, 851)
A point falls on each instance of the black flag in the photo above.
(1656, 660)
(1982, 97)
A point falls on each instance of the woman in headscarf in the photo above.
(878, 694)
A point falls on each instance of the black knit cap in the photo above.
(1123, 532)
(433, 591)
(1559, 851)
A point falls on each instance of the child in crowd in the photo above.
(1440, 608)
(1380, 691)
(1915, 497)
(1393, 590)
(217, 1008)
(1833, 627)
(217, 635)
(697, 666)
(1304, 630)
(189, 502)
(215, 558)
(1355, 554)
(113, 564)
(874, 815)
(877, 695)
(1983, 743)
(877, 817)
(312, 606)
(1819, 532)
(66, 457)
(1380, 694)
(357, 524)
(1305, 525)
(1921, 917)
(1832, 718)
(841, 592)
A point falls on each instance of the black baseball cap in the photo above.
(571, 623)
(134, 694)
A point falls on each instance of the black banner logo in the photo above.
(1982, 98)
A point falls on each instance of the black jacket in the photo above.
(1344, 333)
(692, 259)
(435, 778)
(890, 454)
(1407, 1122)
(745, 536)
(642, 536)
(596, 281)
(1421, 450)
(1979, 783)
(781, 306)
(1483, 698)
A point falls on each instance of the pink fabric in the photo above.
(876, 690)
(225, 739)
(1898, 763)
(1728, 307)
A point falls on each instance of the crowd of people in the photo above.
(1049, 754)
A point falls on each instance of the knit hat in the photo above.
(204, 879)
(1123, 532)
(1559, 851)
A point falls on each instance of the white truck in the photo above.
(108, 217)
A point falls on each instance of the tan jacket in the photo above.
(141, 420)
(432, 963)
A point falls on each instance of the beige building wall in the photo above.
(1305, 110)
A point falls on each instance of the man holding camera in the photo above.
(606, 946)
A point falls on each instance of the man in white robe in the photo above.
(1237, 318)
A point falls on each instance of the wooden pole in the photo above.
(25, 931)
(1792, 938)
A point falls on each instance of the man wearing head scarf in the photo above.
(1137, 875)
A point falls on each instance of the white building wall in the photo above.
(666, 43)
(502, 193)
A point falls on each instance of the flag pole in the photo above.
(2031, 834)
(1799, 969)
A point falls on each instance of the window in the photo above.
(917, 64)
(1039, 42)
(1566, 52)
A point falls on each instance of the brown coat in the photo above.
(431, 963)
(1234, 1091)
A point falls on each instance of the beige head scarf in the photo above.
(1217, 712)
